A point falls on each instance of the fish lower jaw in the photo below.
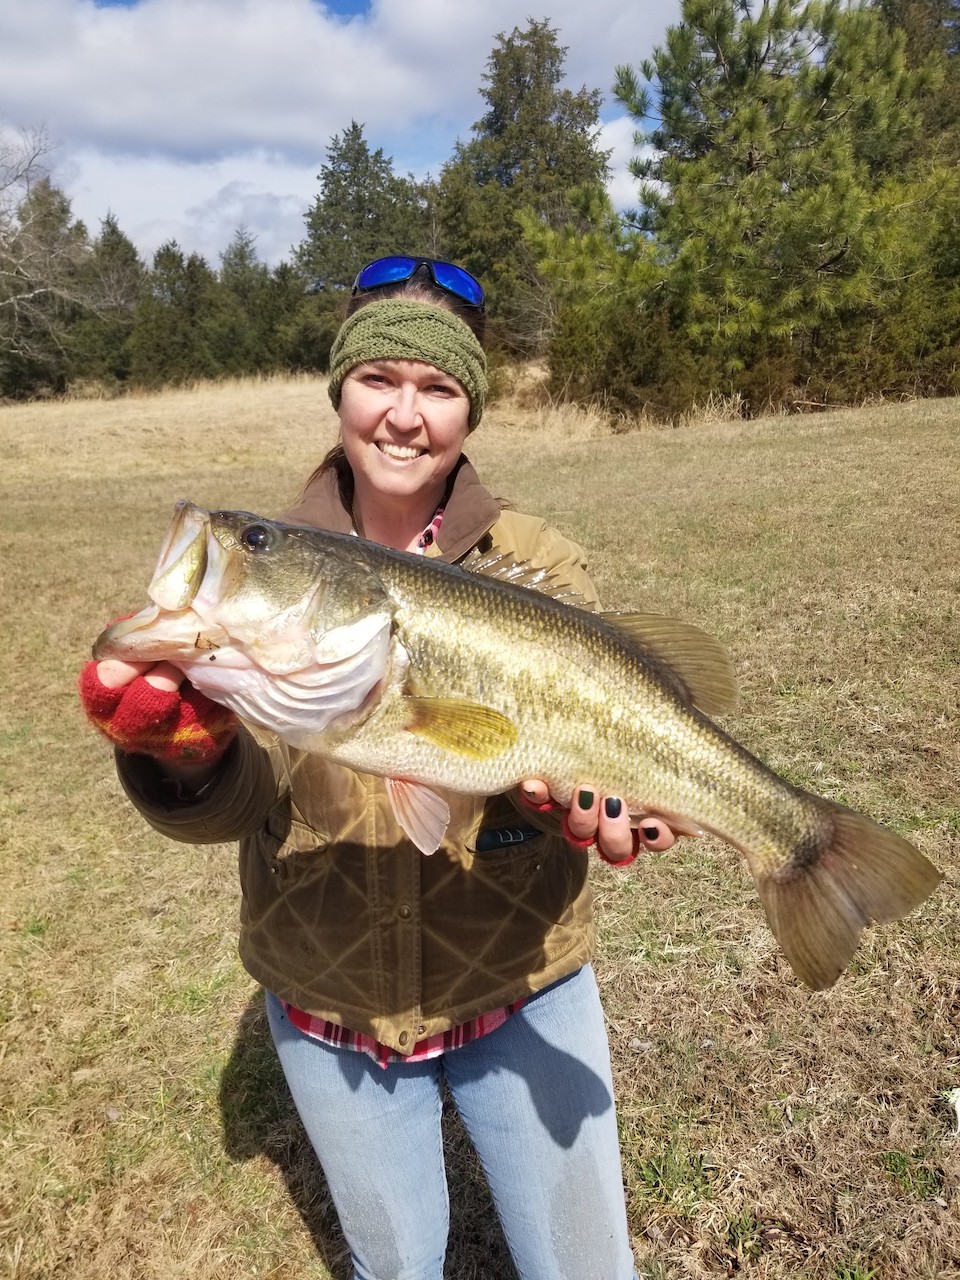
(153, 635)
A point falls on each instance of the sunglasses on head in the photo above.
(398, 267)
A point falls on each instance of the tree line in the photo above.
(796, 239)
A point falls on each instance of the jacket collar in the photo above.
(470, 511)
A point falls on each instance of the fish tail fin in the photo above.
(856, 872)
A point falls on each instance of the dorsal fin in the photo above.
(699, 661)
(496, 564)
(701, 667)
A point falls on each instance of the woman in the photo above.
(389, 973)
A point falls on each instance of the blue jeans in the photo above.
(535, 1097)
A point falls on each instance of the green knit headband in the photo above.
(395, 329)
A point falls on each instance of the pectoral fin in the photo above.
(422, 814)
(699, 661)
(467, 728)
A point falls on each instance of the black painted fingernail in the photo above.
(651, 832)
(612, 806)
(585, 799)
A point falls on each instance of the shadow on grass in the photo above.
(259, 1118)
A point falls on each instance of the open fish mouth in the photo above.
(251, 645)
(182, 562)
(171, 627)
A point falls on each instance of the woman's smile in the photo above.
(402, 452)
(402, 426)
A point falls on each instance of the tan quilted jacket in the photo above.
(342, 916)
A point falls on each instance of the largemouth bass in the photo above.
(437, 679)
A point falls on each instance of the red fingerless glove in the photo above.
(181, 726)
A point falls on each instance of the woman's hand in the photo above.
(605, 820)
(149, 709)
(114, 674)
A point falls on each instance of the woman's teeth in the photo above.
(399, 450)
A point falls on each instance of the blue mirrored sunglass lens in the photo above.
(457, 281)
(394, 269)
(386, 271)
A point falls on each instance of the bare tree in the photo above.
(42, 253)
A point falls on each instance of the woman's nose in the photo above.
(404, 413)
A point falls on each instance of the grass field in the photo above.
(145, 1131)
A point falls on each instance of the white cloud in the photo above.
(186, 117)
(617, 137)
(200, 205)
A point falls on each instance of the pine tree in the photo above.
(931, 30)
(178, 334)
(302, 322)
(609, 342)
(534, 144)
(364, 211)
(778, 126)
(98, 341)
(241, 271)
(244, 340)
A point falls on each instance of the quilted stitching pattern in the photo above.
(355, 924)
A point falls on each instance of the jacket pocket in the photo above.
(286, 843)
(490, 840)
(510, 867)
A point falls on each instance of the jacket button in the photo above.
(404, 913)
(404, 1037)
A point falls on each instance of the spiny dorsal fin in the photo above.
(698, 660)
(468, 728)
(495, 564)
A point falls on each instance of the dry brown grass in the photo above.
(144, 1127)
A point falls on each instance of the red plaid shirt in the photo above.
(383, 1055)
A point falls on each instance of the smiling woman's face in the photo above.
(403, 424)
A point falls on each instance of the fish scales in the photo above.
(436, 678)
(645, 745)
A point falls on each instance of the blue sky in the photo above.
(185, 118)
(348, 7)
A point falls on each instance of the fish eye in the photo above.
(255, 537)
